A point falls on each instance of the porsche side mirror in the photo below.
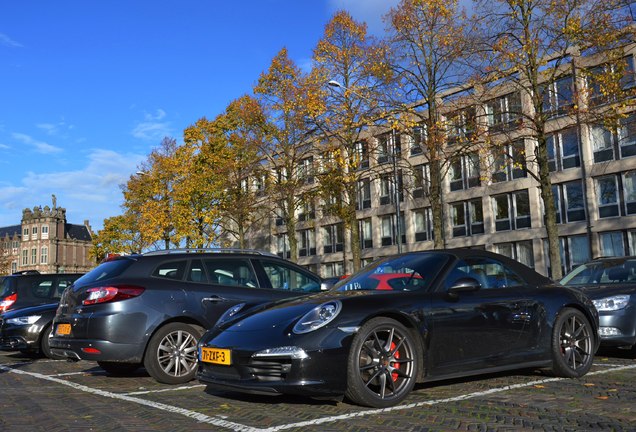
(466, 284)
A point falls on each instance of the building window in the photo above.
(423, 224)
(34, 233)
(521, 251)
(418, 139)
(612, 243)
(45, 232)
(512, 211)
(602, 143)
(387, 188)
(575, 250)
(307, 211)
(569, 201)
(282, 242)
(384, 147)
(503, 112)
(607, 196)
(25, 257)
(333, 269)
(461, 125)
(307, 242)
(366, 233)
(386, 230)
(361, 152)
(609, 71)
(333, 238)
(44, 255)
(627, 136)
(25, 233)
(34, 256)
(306, 170)
(464, 172)
(558, 97)
(467, 218)
(563, 150)
(364, 194)
(509, 162)
(421, 180)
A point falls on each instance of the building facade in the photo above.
(46, 242)
(489, 201)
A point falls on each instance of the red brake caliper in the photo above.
(394, 375)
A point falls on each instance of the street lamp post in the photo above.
(396, 189)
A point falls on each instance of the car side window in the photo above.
(233, 272)
(488, 272)
(196, 272)
(62, 284)
(42, 288)
(283, 277)
(170, 270)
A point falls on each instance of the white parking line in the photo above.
(217, 421)
(168, 408)
(164, 390)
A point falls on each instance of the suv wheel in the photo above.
(171, 357)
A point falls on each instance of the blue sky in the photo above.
(89, 88)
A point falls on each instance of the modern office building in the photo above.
(46, 242)
(489, 201)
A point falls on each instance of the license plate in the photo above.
(63, 329)
(216, 355)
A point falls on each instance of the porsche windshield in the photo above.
(401, 273)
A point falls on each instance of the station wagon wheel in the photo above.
(382, 365)
(171, 356)
(573, 344)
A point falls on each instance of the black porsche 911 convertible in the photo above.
(445, 314)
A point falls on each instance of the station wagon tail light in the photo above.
(8, 301)
(111, 294)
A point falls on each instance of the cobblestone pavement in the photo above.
(46, 395)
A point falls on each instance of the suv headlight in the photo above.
(612, 303)
(318, 317)
(25, 320)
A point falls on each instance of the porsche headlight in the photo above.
(230, 313)
(318, 317)
(613, 303)
(25, 320)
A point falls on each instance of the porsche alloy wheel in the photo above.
(171, 357)
(572, 344)
(382, 366)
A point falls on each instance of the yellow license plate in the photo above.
(63, 329)
(216, 355)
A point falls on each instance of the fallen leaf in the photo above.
(602, 397)
(589, 385)
(539, 386)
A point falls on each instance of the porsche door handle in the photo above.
(213, 299)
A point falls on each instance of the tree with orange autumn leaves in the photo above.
(431, 47)
(287, 98)
(536, 45)
(358, 63)
(228, 160)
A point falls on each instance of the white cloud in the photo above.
(8, 42)
(152, 129)
(54, 128)
(89, 193)
(39, 146)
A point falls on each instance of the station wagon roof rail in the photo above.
(208, 250)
